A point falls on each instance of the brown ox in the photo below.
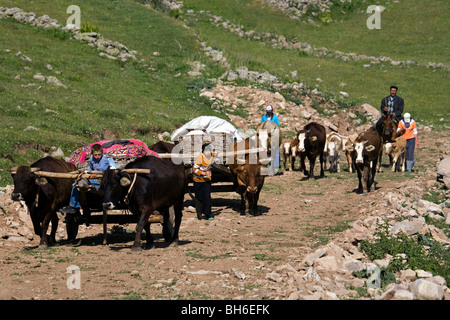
(348, 143)
(365, 152)
(43, 196)
(247, 177)
(312, 144)
(388, 134)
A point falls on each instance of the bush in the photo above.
(86, 28)
(422, 252)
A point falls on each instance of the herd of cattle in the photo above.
(165, 186)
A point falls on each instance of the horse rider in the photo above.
(391, 104)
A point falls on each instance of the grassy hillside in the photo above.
(410, 30)
(104, 98)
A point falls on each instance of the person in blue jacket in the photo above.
(270, 116)
(97, 162)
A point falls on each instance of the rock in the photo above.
(30, 128)
(396, 292)
(426, 290)
(311, 275)
(429, 207)
(343, 94)
(407, 274)
(383, 263)
(443, 171)
(305, 114)
(134, 273)
(194, 73)
(53, 80)
(274, 276)
(39, 77)
(314, 296)
(423, 274)
(436, 234)
(329, 263)
(56, 152)
(437, 280)
(373, 112)
(409, 227)
(310, 258)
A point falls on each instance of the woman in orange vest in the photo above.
(202, 178)
(407, 127)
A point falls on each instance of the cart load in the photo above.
(121, 151)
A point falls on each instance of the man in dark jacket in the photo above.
(391, 104)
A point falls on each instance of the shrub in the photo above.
(86, 27)
(422, 252)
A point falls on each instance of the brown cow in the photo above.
(396, 151)
(312, 144)
(247, 177)
(348, 143)
(43, 196)
(365, 152)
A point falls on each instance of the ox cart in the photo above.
(186, 148)
(119, 153)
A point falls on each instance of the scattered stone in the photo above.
(274, 276)
(409, 227)
(426, 290)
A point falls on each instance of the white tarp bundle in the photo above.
(210, 124)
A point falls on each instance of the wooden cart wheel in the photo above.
(168, 224)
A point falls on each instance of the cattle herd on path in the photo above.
(164, 187)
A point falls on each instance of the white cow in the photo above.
(333, 147)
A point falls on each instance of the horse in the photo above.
(388, 134)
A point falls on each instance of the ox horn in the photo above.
(13, 170)
(35, 169)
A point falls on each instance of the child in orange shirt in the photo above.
(202, 179)
(407, 127)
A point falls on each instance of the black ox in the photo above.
(162, 188)
(43, 196)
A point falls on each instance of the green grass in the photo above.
(410, 31)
